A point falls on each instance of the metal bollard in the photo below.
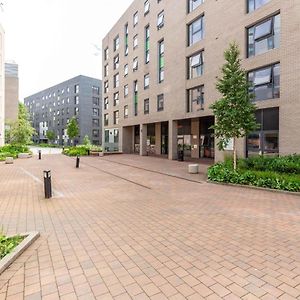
(77, 161)
(40, 154)
(47, 184)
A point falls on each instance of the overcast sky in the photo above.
(52, 40)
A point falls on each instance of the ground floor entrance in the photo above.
(192, 136)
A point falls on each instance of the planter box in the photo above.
(7, 260)
(24, 155)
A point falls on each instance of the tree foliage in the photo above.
(73, 128)
(86, 141)
(50, 135)
(21, 131)
(234, 112)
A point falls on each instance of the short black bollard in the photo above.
(47, 184)
(77, 162)
(40, 154)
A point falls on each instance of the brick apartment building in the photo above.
(161, 61)
(52, 109)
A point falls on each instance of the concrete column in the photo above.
(158, 138)
(195, 138)
(127, 139)
(143, 139)
(173, 139)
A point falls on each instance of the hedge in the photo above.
(222, 172)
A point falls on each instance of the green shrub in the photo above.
(74, 151)
(12, 151)
(223, 172)
(44, 145)
(281, 164)
(7, 244)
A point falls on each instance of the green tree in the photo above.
(50, 135)
(234, 112)
(86, 140)
(73, 129)
(21, 131)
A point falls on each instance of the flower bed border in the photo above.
(7, 260)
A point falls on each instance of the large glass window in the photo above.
(255, 4)
(265, 82)
(193, 4)
(116, 43)
(147, 44)
(266, 139)
(196, 31)
(116, 117)
(146, 106)
(135, 97)
(195, 99)
(160, 102)
(264, 36)
(196, 65)
(160, 20)
(161, 61)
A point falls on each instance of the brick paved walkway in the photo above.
(120, 232)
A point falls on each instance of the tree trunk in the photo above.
(234, 154)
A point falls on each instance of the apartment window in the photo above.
(116, 80)
(196, 65)
(68, 110)
(95, 133)
(76, 100)
(146, 7)
(255, 4)
(96, 90)
(125, 70)
(265, 82)
(160, 20)
(96, 100)
(125, 90)
(106, 54)
(161, 61)
(146, 81)
(76, 111)
(116, 117)
(264, 36)
(135, 64)
(116, 62)
(106, 136)
(116, 135)
(135, 41)
(196, 31)
(135, 97)
(160, 102)
(105, 103)
(135, 19)
(96, 112)
(193, 4)
(106, 87)
(116, 43)
(126, 39)
(116, 98)
(266, 139)
(105, 119)
(96, 122)
(147, 44)
(76, 89)
(146, 106)
(125, 111)
(195, 99)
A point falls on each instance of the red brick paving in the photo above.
(117, 231)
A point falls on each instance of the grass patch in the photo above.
(7, 244)
(44, 145)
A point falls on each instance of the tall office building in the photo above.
(161, 61)
(52, 109)
(11, 91)
(2, 87)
